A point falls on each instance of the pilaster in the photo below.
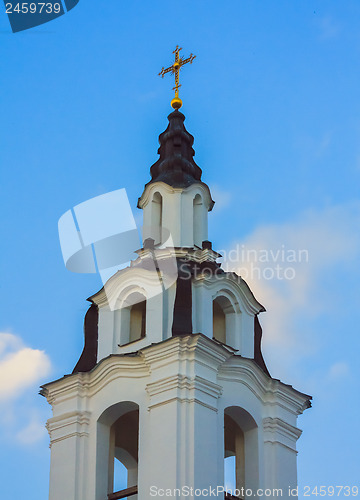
(69, 436)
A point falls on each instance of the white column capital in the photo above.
(71, 424)
(277, 430)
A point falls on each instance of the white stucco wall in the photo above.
(188, 225)
(182, 388)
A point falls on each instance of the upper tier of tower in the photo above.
(175, 287)
(176, 201)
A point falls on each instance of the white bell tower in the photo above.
(172, 380)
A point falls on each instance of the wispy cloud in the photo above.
(33, 432)
(311, 148)
(9, 342)
(339, 370)
(329, 242)
(221, 197)
(329, 28)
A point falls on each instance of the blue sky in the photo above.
(273, 102)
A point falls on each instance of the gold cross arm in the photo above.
(175, 70)
(164, 71)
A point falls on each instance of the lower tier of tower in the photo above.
(171, 414)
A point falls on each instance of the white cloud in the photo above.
(339, 370)
(20, 366)
(331, 242)
(21, 369)
(221, 197)
(9, 342)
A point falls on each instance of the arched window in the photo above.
(133, 318)
(223, 320)
(197, 222)
(117, 452)
(137, 321)
(156, 217)
(241, 458)
(219, 322)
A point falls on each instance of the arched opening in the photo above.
(124, 436)
(241, 458)
(198, 236)
(133, 318)
(137, 321)
(223, 320)
(156, 217)
(117, 452)
(219, 322)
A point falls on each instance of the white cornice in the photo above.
(134, 273)
(208, 353)
(183, 389)
(183, 400)
(189, 253)
(169, 366)
(269, 391)
(139, 365)
(238, 286)
(184, 382)
(88, 384)
(280, 426)
(68, 425)
(162, 186)
(129, 277)
(277, 431)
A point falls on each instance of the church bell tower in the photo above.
(172, 380)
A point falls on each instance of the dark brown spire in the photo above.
(176, 165)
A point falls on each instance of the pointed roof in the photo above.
(176, 166)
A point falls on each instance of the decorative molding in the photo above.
(197, 188)
(129, 277)
(236, 285)
(269, 392)
(277, 430)
(196, 349)
(74, 434)
(70, 424)
(185, 253)
(184, 383)
(208, 353)
(86, 385)
(183, 400)
(279, 425)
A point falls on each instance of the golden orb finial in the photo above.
(176, 103)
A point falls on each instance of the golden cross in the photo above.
(176, 103)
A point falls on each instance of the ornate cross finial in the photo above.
(176, 103)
